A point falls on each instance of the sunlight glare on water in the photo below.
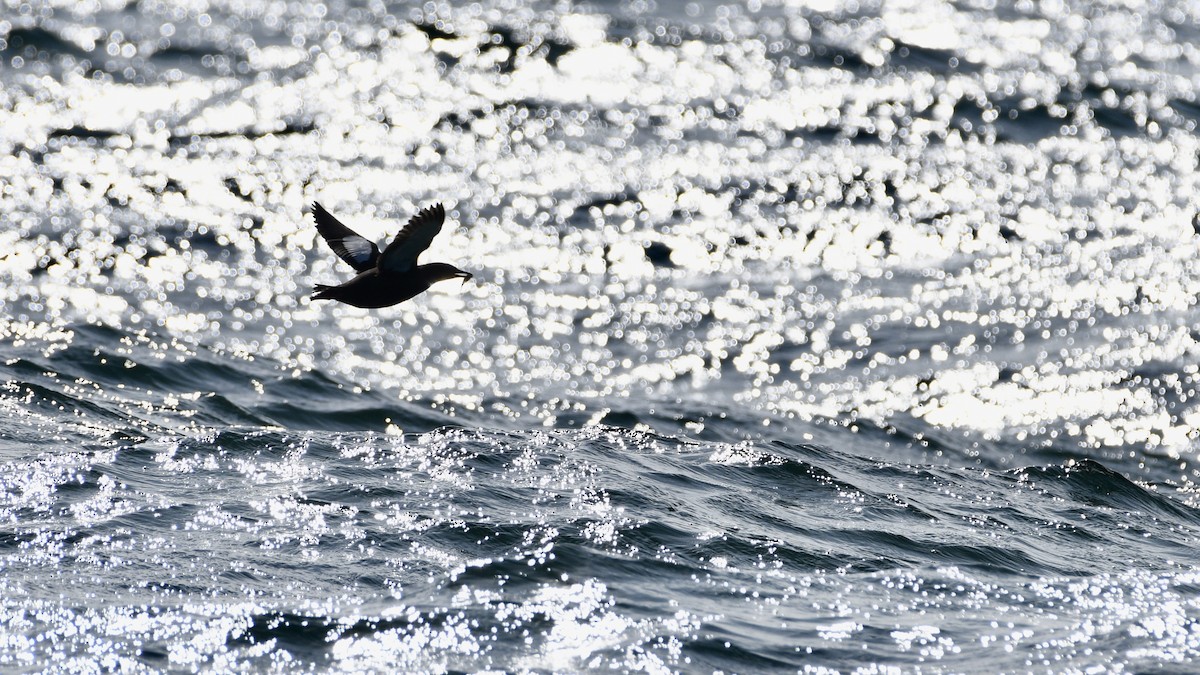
(816, 335)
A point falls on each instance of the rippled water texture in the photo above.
(804, 336)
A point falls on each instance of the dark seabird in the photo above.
(384, 279)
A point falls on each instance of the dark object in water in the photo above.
(659, 254)
(388, 278)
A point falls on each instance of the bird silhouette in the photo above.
(388, 278)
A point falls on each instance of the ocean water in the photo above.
(804, 337)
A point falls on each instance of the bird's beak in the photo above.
(466, 276)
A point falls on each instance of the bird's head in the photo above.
(442, 271)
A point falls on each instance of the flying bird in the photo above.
(388, 278)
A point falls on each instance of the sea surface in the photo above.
(805, 336)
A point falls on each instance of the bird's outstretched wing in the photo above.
(361, 253)
(401, 254)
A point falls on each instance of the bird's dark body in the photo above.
(387, 278)
(372, 290)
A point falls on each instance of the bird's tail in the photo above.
(321, 292)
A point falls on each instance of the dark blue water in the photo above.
(823, 337)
